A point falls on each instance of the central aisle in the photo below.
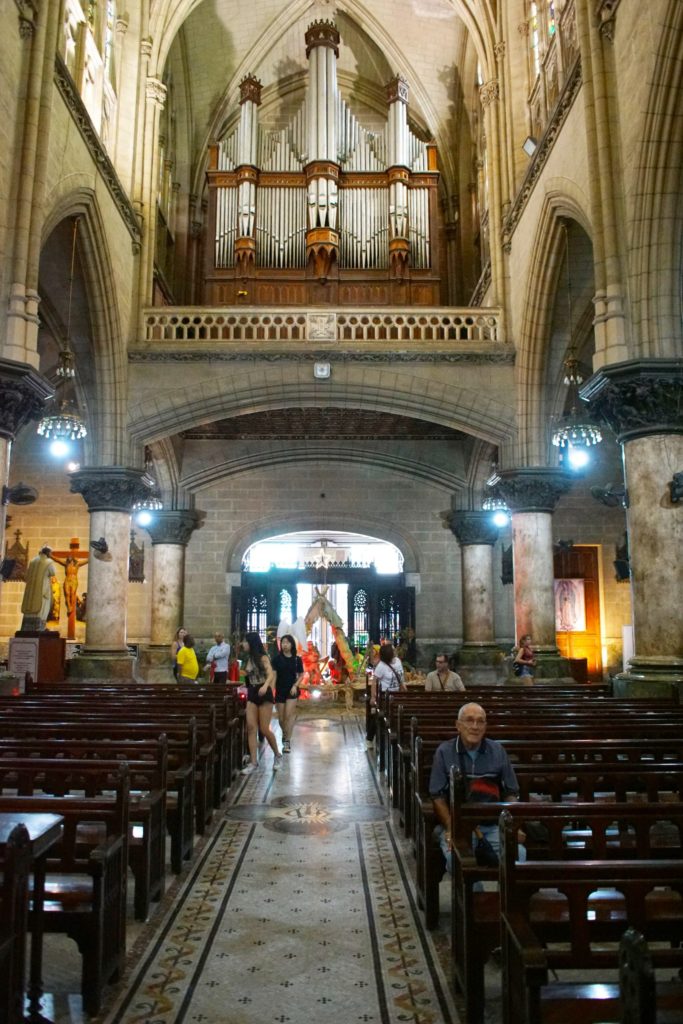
(300, 907)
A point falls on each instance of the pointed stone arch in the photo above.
(107, 439)
(539, 298)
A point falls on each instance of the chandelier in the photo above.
(62, 421)
(574, 429)
(151, 504)
(494, 504)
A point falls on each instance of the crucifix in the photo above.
(72, 560)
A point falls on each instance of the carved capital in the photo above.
(173, 527)
(638, 398)
(250, 89)
(473, 528)
(155, 90)
(532, 489)
(23, 394)
(489, 92)
(397, 89)
(322, 33)
(606, 13)
(499, 50)
(111, 488)
(146, 47)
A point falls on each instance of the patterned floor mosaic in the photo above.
(298, 909)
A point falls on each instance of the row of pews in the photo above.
(125, 766)
(601, 813)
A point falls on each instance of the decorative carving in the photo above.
(322, 33)
(250, 89)
(532, 489)
(111, 488)
(399, 258)
(472, 528)
(245, 255)
(155, 90)
(606, 12)
(638, 397)
(71, 97)
(569, 93)
(17, 554)
(146, 48)
(23, 394)
(173, 526)
(499, 50)
(502, 357)
(489, 92)
(397, 89)
(322, 249)
(321, 327)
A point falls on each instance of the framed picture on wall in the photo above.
(570, 606)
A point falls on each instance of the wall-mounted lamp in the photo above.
(321, 371)
(530, 145)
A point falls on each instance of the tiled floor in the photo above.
(298, 907)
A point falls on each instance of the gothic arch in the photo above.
(107, 407)
(539, 299)
(272, 526)
(403, 467)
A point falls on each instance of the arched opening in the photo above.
(362, 575)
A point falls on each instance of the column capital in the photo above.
(397, 90)
(532, 489)
(473, 528)
(173, 527)
(111, 488)
(23, 394)
(638, 397)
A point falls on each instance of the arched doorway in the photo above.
(364, 576)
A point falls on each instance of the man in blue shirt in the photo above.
(219, 654)
(488, 776)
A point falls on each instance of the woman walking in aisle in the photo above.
(260, 697)
(289, 671)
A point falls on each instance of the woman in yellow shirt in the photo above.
(188, 666)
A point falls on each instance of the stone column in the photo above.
(532, 494)
(23, 394)
(642, 401)
(110, 493)
(170, 532)
(479, 659)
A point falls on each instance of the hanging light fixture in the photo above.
(500, 513)
(574, 431)
(62, 421)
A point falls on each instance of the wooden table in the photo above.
(44, 831)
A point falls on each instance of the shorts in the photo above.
(254, 697)
(284, 696)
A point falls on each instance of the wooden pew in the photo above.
(85, 889)
(643, 999)
(15, 868)
(548, 924)
(106, 740)
(93, 778)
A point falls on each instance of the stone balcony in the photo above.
(194, 329)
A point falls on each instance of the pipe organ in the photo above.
(324, 209)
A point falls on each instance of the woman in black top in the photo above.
(289, 670)
(260, 696)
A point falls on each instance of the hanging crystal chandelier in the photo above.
(62, 421)
(494, 504)
(151, 504)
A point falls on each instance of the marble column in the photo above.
(23, 394)
(642, 401)
(532, 494)
(476, 535)
(170, 533)
(110, 493)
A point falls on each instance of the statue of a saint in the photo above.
(56, 603)
(38, 593)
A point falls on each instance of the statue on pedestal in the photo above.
(37, 598)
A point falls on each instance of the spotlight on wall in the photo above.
(530, 145)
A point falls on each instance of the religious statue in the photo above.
(81, 607)
(72, 560)
(38, 593)
(56, 603)
(17, 553)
